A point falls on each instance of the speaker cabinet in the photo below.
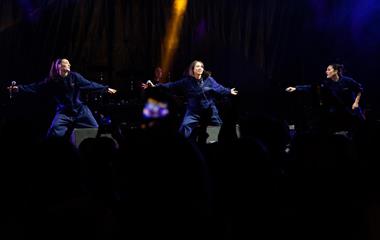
(213, 133)
(80, 134)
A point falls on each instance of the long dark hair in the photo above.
(190, 70)
(338, 67)
(54, 70)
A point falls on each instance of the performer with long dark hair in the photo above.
(65, 85)
(200, 89)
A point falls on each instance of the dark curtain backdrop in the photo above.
(260, 47)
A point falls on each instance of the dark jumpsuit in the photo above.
(200, 96)
(335, 101)
(71, 112)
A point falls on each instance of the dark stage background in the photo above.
(259, 47)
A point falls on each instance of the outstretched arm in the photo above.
(170, 85)
(85, 84)
(221, 89)
(28, 88)
(298, 88)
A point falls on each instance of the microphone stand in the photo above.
(13, 84)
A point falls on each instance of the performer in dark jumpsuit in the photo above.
(339, 98)
(65, 86)
(199, 88)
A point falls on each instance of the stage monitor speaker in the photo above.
(80, 134)
(214, 131)
(213, 134)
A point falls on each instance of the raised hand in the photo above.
(12, 88)
(290, 89)
(111, 90)
(147, 85)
